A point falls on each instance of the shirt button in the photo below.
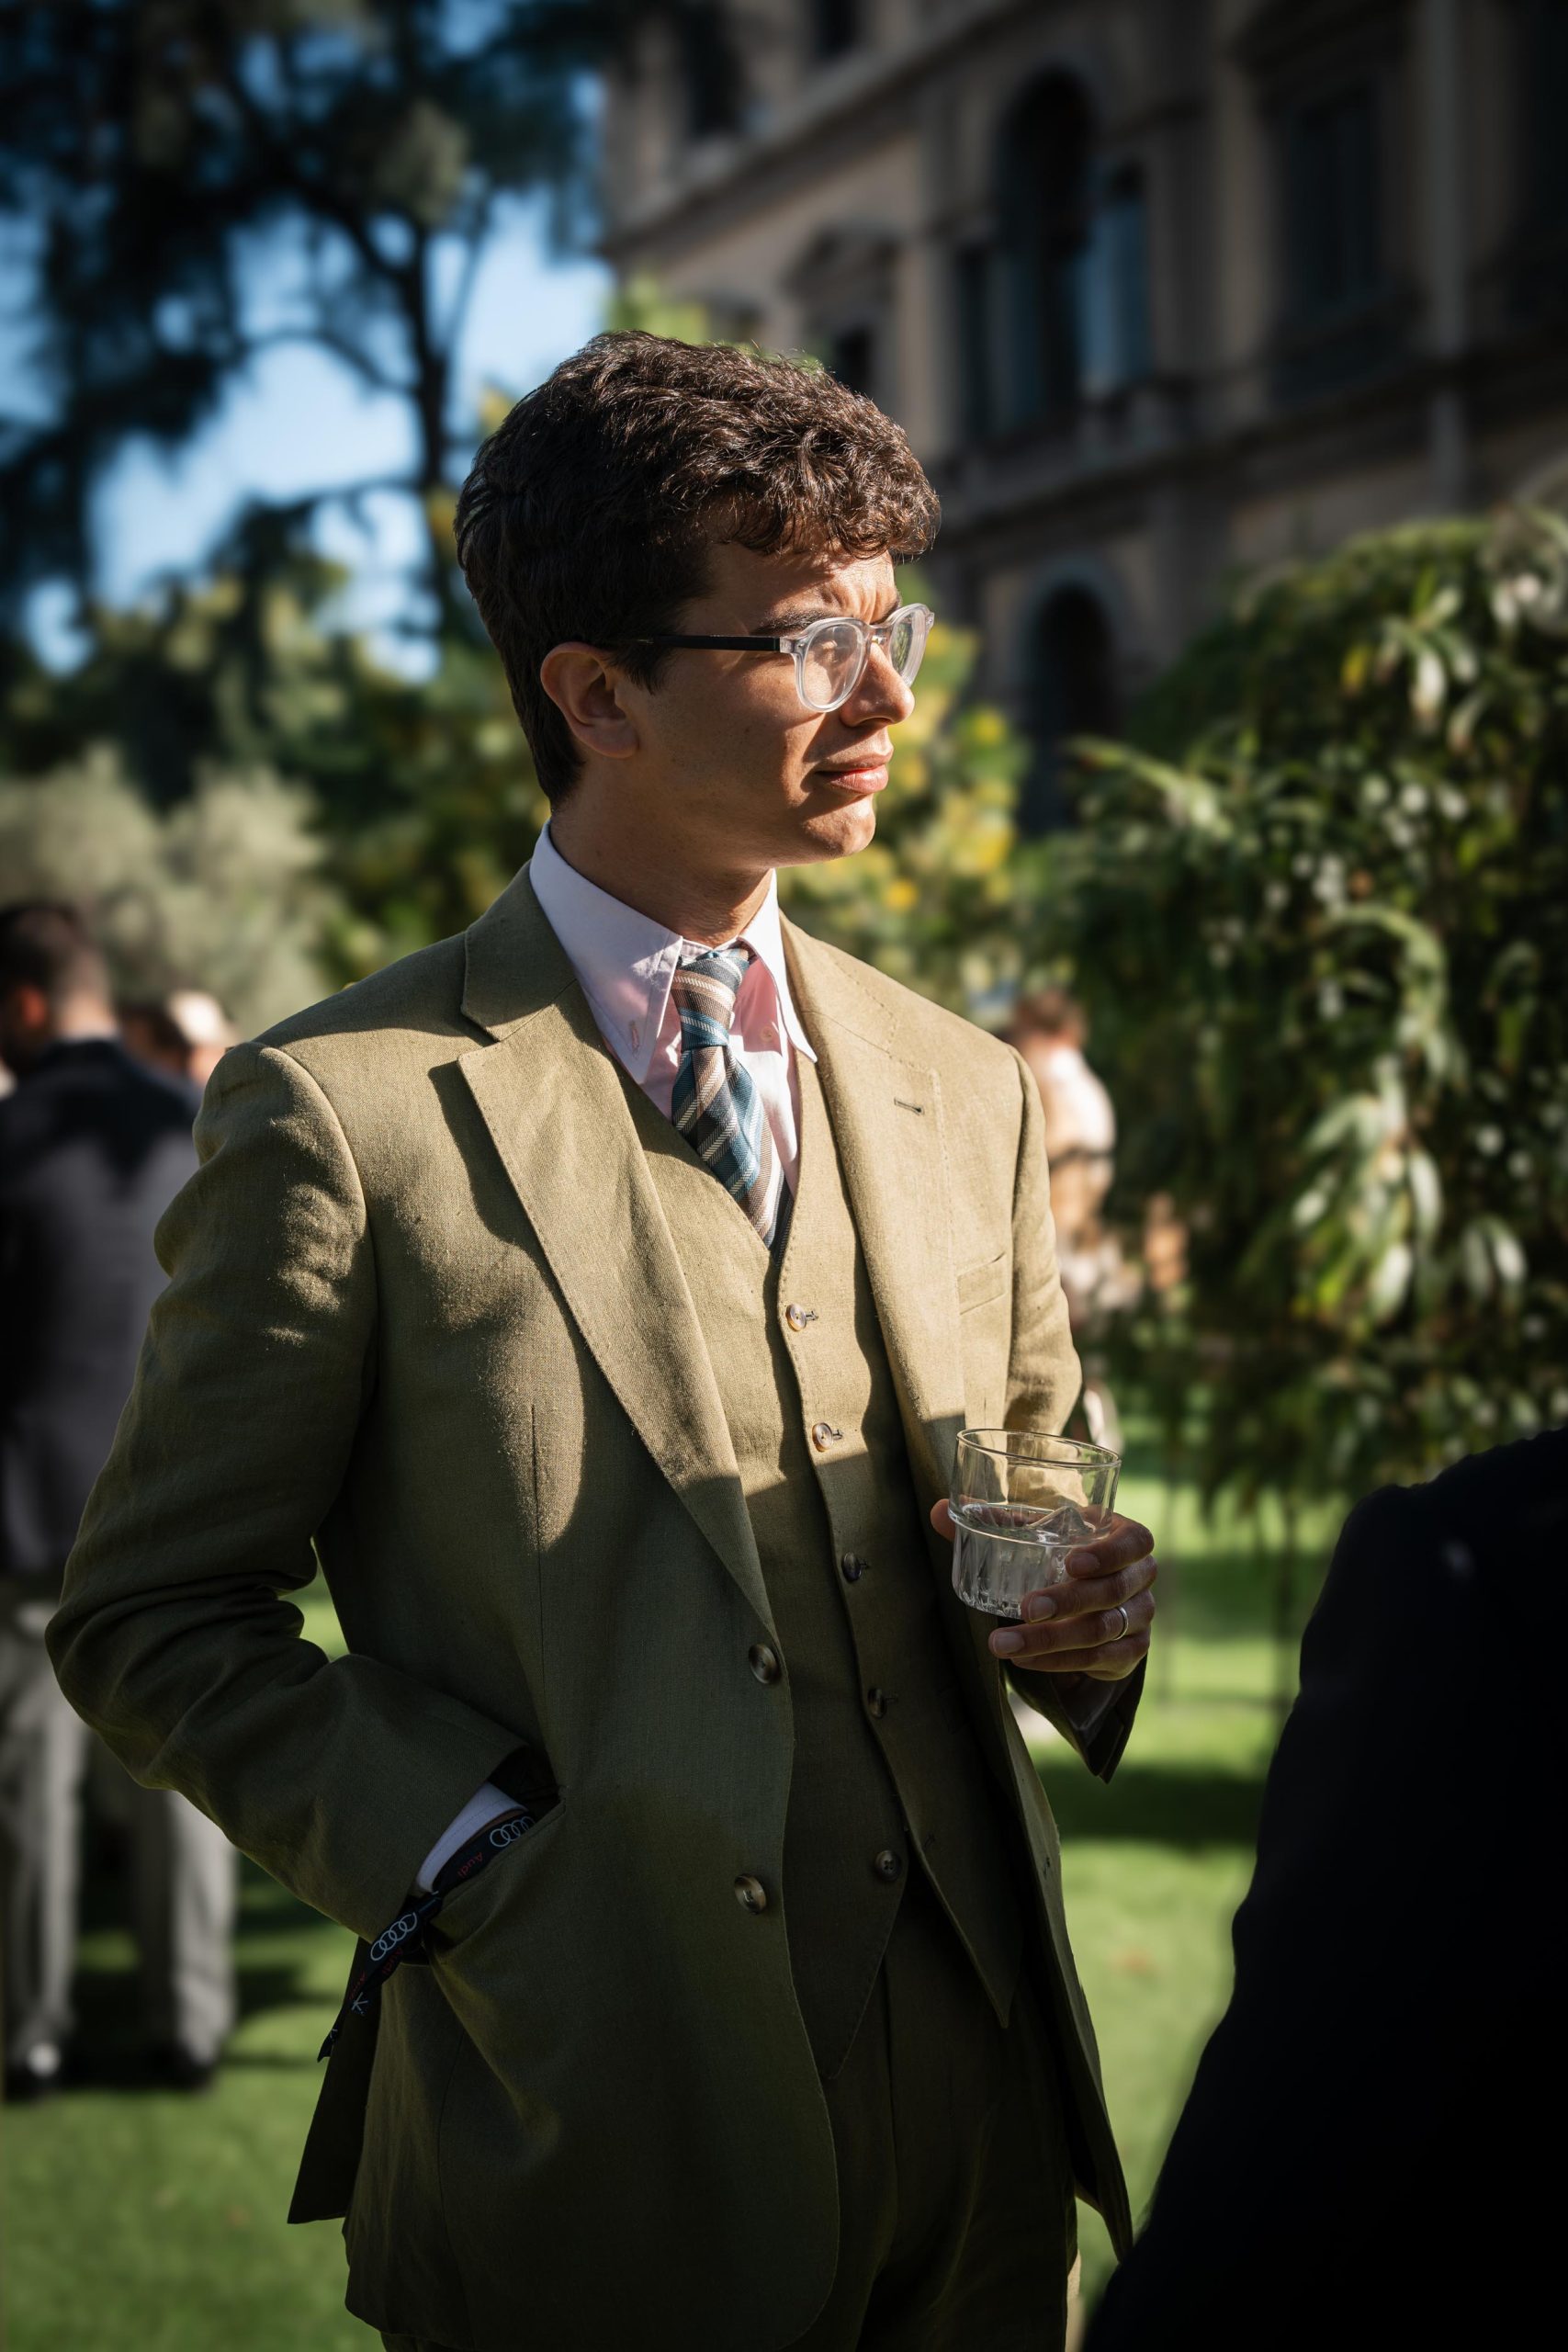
(876, 1700)
(796, 1317)
(854, 1568)
(750, 1894)
(823, 1435)
(888, 1865)
(764, 1662)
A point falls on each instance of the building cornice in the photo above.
(868, 98)
(1286, 450)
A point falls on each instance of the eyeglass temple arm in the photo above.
(719, 644)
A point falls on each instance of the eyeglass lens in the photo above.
(836, 652)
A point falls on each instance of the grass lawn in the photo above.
(139, 2222)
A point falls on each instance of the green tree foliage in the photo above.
(187, 184)
(224, 892)
(421, 794)
(1318, 912)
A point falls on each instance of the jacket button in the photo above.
(876, 1700)
(764, 1662)
(888, 1865)
(854, 1568)
(823, 1435)
(750, 1894)
(796, 1317)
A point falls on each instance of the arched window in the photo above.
(835, 26)
(1117, 301)
(1546, 55)
(1537, 262)
(709, 67)
(852, 356)
(1047, 215)
(1072, 691)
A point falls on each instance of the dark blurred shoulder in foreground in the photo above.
(1361, 2160)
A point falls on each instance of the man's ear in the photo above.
(585, 690)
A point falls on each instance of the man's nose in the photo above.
(880, 692)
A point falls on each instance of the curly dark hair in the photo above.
(590, 512)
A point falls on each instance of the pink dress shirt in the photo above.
(626, 961)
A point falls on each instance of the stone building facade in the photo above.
(1163, 291)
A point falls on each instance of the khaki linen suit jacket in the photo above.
(425, 1320)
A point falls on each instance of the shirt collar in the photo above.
(626, 961)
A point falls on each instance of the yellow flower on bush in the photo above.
(900, 895)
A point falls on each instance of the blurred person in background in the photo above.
(186, 1033)
(1049, 1029)
(1363, 2160)
(93, 1147)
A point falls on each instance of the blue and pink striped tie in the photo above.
(716, 1104)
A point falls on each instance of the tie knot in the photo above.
(704, 988)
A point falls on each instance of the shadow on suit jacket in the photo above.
(1360, 2162)
(93, 1149)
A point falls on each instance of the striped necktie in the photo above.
(716, 1104)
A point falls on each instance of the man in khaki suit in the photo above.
(600, 1295)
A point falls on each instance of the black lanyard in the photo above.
(404, 1938)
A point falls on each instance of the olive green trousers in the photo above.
(957, 2223)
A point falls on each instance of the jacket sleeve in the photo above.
(173, 1638)
(1044, 1382)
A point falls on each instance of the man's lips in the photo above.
(868, 774)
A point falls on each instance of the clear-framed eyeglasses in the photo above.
(831, 654)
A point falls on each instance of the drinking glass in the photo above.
(1021, 1502)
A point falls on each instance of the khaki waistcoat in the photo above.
(885, 1766)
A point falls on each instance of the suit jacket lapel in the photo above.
(887, 1119)
(548, 1089)
(888, 1123)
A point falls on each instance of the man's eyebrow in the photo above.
(802, 615)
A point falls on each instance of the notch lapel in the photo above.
(887, 1118)
(888, 1123)
(547, 1089)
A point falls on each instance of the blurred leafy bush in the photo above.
(1317, 909)
(419, 791)
(224, 891)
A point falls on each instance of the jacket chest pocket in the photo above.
(980, 1284)
(985, 1333)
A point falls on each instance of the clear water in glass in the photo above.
(1003, 1551)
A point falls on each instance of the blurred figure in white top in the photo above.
(186, 1033)
(1049, 1030)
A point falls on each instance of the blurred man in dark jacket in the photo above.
(1360, 2161)
(93, 1147)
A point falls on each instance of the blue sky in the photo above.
(298, 421)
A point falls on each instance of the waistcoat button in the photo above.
(764, 1662)
(888, 1864)
(876, 1700)
(750, 1894)
(823, 1435)
(796, 1317)
(854, 1568)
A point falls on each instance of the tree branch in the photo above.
(477, 241)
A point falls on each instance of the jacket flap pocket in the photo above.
(986, 1281)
